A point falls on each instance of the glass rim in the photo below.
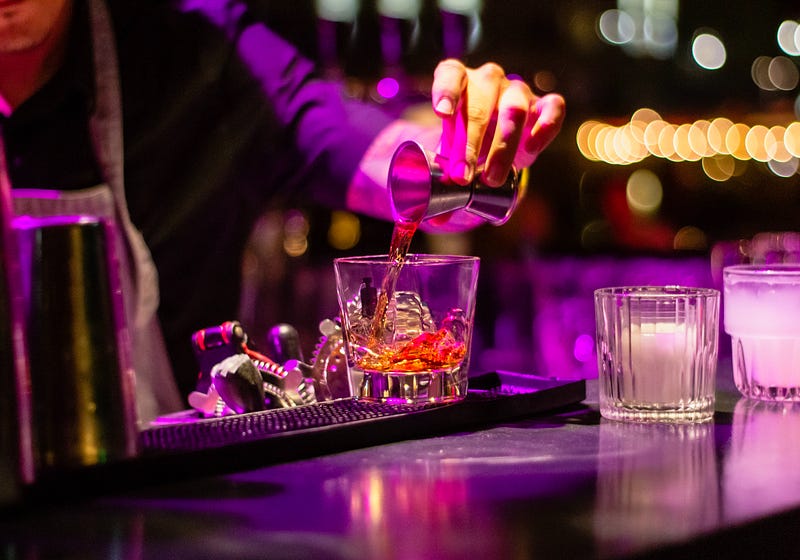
(411, 259)
(757, 270)
(667, 291)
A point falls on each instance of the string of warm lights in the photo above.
(719, 143)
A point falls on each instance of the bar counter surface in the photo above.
(565, 484)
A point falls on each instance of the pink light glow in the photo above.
(388, 88)
(584, 348)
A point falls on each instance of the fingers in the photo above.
(513, 110)
(485, 114)
(449, 81)
(487, 84)
(452, 222)
(549, 114)
(473, 110)
(477, 112)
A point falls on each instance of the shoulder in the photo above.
(165, 39)
(178, 28)
(179, 19)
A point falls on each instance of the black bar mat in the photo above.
(492, 398)
(181, 446)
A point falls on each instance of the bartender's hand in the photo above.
(487, 116)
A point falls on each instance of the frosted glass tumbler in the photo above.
(657, 352)
(762, 315)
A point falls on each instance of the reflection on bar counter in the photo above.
(762, 450)
(668, 490)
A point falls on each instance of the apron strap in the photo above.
(106, 132)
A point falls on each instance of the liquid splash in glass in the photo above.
(402, 337)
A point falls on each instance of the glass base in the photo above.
(435, 386)
(766, 368)
(767, 392)
(701, 410)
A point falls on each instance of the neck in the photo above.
(23, 72)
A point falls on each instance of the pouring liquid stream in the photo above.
(429, 351)
(402, 235)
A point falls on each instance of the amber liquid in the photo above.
(402, 235)
(425, 353)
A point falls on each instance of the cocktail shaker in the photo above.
(82, 381)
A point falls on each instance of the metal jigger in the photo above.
(419, 189)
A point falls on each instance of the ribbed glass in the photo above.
(657, 352)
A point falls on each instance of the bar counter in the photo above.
(566, 484)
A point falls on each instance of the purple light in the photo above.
(387, 88)
(583, 350)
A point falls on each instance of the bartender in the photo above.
(181, 122)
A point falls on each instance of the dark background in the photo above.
(599, 81)
(575, 208)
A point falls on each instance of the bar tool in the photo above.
(239, 384)
(283, 343)
(419, 189)
(225, 383)
(82, 380)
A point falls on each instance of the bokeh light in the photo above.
(338, 10)
(644, 192)
(401, 9)
(683, 148)
(466, 7)
(709, 51)
(759, 72)
(295, 233)
(698, 138)
(719, 168)
(783, 168)
(788, 32)
(387, 88)
(755, 143)
(690, 238)
(774, 144)
(583, 349)
(666, 142)
(716, 134)
(344, 231)
(735, 141)
(585, 141)
(720, 143)
(661, 35)
(545, 80)
(774, 73)
(783, 73)
(616, 27)
(791, 139)
(645, 116)
(651, 136)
